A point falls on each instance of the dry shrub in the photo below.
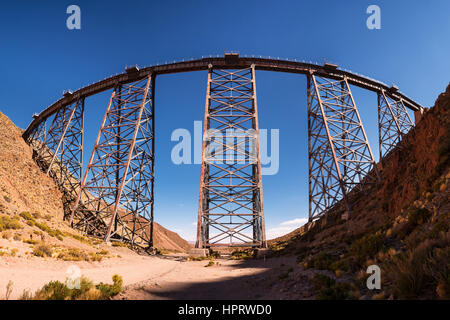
(42, 250)
(73, 254)
(242, 254)
(418, 216)
(438, 267)
(110, 290)
(210, 263)
(367, 247)
(321, 261)
(56, 290)
(31, 221)
(422, 271)
(7, 223)
(27, 216)
(6, 234)
(329, 289)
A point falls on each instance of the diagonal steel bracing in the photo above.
(231, 208)
(59, 152)
(340, 158)
(37, 137)
(66, 164)
(48, 150)
(116, 197)
(393, 122)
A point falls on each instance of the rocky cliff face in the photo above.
(23, 187)
(401, 224)
(168, 240)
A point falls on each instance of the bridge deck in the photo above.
(133, 74)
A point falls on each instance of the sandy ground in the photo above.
(151, 277)
(32, 273)
(229, 279)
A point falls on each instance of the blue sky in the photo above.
(40, 57)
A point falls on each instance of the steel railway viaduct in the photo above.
(113, 198)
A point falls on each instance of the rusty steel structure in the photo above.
(114, 198)
(393, 122)
(116, 191)
(231, 197)
(340, 158)
(59, 151)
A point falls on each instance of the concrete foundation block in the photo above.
(198, 252)
(261, 252)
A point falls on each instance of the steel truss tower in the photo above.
(393, 122)
(231, 210)
(115, 201)
(60, 153)
(340, 158)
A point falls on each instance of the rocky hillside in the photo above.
(165, 239)
(401, 225)
(31, 206)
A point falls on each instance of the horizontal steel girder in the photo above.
(220, 62)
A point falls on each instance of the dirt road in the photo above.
(147, 277)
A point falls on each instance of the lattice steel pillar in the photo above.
(53, 136)
(116, 197)
(231, 199)
(66, 165)
(340, 158)
(60, 153)
(393, 122)
(37, 137)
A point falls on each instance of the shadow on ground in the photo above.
(274, 278)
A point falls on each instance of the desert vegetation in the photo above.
(87, 290)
